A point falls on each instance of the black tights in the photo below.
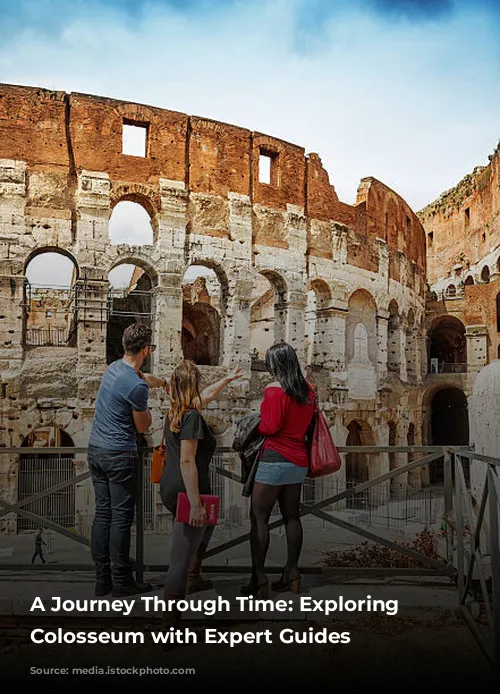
(264, 497)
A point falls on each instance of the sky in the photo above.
(403, 90)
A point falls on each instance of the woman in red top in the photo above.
(286, 413)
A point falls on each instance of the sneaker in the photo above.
(121, 590)
(103, 588)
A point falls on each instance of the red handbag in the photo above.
(324, 457)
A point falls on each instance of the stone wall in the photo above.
(62, 172)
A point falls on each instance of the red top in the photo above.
(284, 422)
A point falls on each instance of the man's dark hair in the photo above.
(136, 337)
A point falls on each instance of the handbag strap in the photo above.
(163, 431)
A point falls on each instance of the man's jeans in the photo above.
(114, 475)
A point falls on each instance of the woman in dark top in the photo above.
(190, 446)
(286, 414)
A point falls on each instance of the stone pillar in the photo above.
(484, 415)
(477, 347)
(12, 231)
(336, 335)
(237, 329)
(167, 325)
(295, 329)
(382, 336)
(93, 210)
(403, 372)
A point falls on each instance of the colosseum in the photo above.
(242, 242)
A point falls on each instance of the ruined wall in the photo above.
(463, 259)
(62, 172)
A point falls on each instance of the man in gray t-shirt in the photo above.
(121, 412)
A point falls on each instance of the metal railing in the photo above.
(49, 337)
(471, 532)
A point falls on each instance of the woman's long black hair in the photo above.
(283, 364)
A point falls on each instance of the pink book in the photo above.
(210, 502)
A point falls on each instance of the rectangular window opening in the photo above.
(268, 168)
(134, 138)
(467, 216)
(264, 168)
(430, 237)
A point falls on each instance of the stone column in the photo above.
(382, 336)
(295, 329)
(237, 328)
(167, 296)
(12, 232)
(93, 210)
(403, 369)
(477, 347)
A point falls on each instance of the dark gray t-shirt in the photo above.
(121, 392)
(193, 426)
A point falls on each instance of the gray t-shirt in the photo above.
(121, 392)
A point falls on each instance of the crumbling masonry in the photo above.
(363, 267)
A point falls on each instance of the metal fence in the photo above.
(472, 542)
(49, 337)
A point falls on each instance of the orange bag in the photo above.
(159, 458)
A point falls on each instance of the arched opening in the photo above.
(451, 291)
(498, 312)
(130, 223)
(469, 281)
(449, 426)
(485, 274)
(498, 351)
(203, 311)
(317, 334)
(361, 310)
(39, 471)
(358, 464)
(267, 316)
(130, 301)
(447, 346)
(49, 300)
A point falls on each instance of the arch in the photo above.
(485, 274)
(449, 425)
(451, 291)
(39, 471)
(49, 307)
(204, 309)
(322, 291)
(130, 300)
(52, 249)
(361, 308)
(359, 433)
(447, 345)
(131, 223)
(469, 281)
(143, 195)
(268, 314)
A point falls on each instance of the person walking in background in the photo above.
(39, 541)
(121, 412)
(286, 414)
(190, 445)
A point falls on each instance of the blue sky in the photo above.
(407, 91)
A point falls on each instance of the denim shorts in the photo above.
(277, 474)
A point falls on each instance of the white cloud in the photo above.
(415, 105)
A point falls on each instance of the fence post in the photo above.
(139, 520)
(460, 537)
(495, 561)
(448, 502)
